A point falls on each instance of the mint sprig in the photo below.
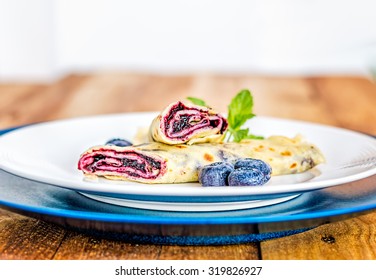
(240, 110)
(242, 134)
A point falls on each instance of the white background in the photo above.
(44, 39)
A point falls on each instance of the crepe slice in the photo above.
(186, 123)
(160, 163)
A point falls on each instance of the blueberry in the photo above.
(254, 163)
(215, 174)
(246, 177)
(119, 142)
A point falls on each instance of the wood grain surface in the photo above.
(347, 102)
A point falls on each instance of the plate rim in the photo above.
(183, 220)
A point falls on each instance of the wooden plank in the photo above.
(119, 93)
(30, 104)
(296, 98)
(227, 252)
(84, 247)
(352, 239)
(116, 93)
(27, 238)
(11, 96)
(350, 101)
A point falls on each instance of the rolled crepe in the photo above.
(187, 123)
(160, 163)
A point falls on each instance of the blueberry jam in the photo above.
(133, 163)
(146, 165)
(128, 163)
(98, 157)
(181, 125)
(178, 107)
(202, 119)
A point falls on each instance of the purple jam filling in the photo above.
(128, 163)
(184, 125)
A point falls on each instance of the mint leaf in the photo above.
(197, 101)
(252, 136)
(240, 134)
(240, 109)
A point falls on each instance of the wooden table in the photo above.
(348, 102)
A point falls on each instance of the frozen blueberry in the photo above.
(119, 142)
(246, 177)
(215, 174)
(254, 163)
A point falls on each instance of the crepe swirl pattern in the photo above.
(181, 123)
(161, 163)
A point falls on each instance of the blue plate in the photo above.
(70, 209)
(75, 211)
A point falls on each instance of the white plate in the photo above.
(190, 206)
(49, 152)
